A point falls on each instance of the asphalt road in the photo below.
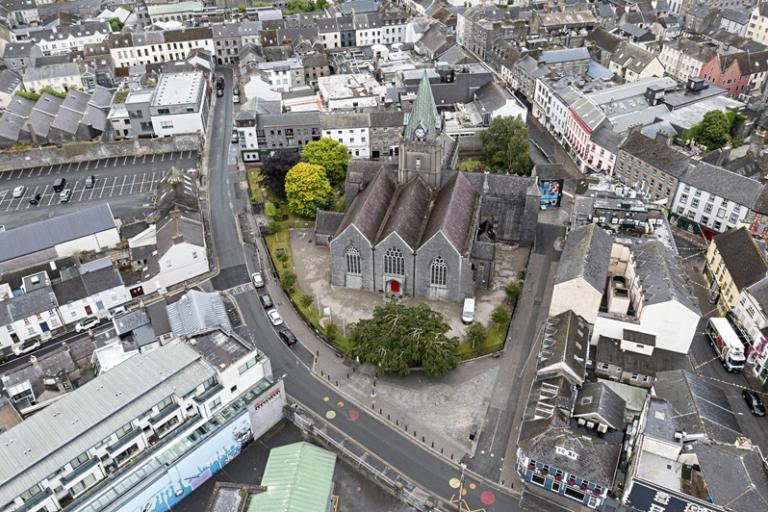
(427, 470)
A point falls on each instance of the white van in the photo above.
(468, 313)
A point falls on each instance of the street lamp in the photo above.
(461, 486)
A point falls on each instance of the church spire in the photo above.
(424, 123)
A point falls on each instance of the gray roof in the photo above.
(698, 405)
(586, 255)
(735, 476)
(369, 207)
(28, 304)
(9, 81)
(566, 55)
(179, 228)
(196, 311)
(609, 351)
(327, 222)
(759, 291)
(656, 153)
(158, 317)
(661, 274)
(452, 213)
(600, 403)
(342, 120)
(48, 233)
(743, 258)
(407, 212)
(566, 342)
(45, 442)
(724, 183)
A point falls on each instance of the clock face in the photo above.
(419, 132)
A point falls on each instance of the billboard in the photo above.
(551, 193)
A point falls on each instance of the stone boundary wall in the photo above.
(85, 151)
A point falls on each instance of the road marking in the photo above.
(74, 189)
(125, 160)
(93, 190)
(130, 192)
(162, 157)
(82, 192)
(330, 414)
(134, 160)
(50, 200)
(103, 186)
(122, 185)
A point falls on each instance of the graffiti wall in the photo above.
(194, 469)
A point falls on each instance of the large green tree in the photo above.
(715, 130)
(399, 338)
(329, 154)
(307, 188)
(274, 169)
(505, 147)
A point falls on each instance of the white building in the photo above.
(715, 198)
(88, 229)
(176, 11)
(350, 129)
(282, 75)
(90, 290)
(141, 431)
(61, 77)
(29, 317)
(350, 91)
(64, 39)
(180, 104)
(131, 49)
(757, 30)
(751, 312)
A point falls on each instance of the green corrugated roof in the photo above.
(298, 479)
(424, 113)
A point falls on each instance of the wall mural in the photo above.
(206, 460)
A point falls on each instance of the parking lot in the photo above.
(114, 178)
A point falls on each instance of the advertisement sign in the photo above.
(551, 193)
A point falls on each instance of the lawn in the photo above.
(494, 341)
(279, 246)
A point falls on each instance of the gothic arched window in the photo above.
(438, 272)
(394, 263)
(353, 261)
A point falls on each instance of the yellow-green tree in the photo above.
(307, 188)
(331, 155)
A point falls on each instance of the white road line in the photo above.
(162, 157)
(82, 191)
(122, 185)
(134, 160)
(101, 192)
(141, 184)
(133, 183)
(40, 171)
(50, 201)
(74, 189)
(93, 190)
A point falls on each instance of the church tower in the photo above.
(421, 148)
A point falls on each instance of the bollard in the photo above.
(388, 418)
(433, 444)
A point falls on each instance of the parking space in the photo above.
(152, 162)
(104, 188)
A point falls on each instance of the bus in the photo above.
(726, 343)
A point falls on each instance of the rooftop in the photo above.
(178, 89)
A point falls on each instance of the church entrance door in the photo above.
(394, 286)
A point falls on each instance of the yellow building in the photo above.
(734, 262)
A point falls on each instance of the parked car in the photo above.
(274, 317)
(235, 137)
(258, 280)
(266, 301)
(65, 195)
(753, 402)
(119, 310)
(25, 347)
(87, 324)
(468, 312)
(235, 99)
(287, 336)
(19, 191)
(35, 199)
(90, 181)
(58, 185)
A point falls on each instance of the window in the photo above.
(82, 485)
(694, 203)
(31, 492)
(124, 430)
(717, 225)
(733, 218)
(214, 404)
(165, 402)
(721, 213)
(353, 261)
(438, 272)
(394, 263)
(166, 125)
(247, 365)
(79, 460)
(683, 198)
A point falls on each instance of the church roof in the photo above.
(424, 112)
(452, 212)
(407, 213)
(370, 206)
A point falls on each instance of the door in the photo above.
(394, 286)
(88, 310)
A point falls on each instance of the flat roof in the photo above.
(178, 89)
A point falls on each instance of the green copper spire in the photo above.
(423, 121)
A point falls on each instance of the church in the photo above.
(419, 227)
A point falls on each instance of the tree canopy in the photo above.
(275, 167)
(715, 130)
(299, 6)
(307, 188)
(399, 338)
(505, 147)
(329, 154)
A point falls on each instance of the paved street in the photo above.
(425, 468)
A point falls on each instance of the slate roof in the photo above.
(749, 62)
(632, 57)
(566, 342)
(604, 39)
(735, 476)
(586, 255)
(609, 351)
(759, 291)
(407, 212)
(742, 257)
(721, 182)
(179, 228)
(656, 153)
(327, 223)
(661, 275)
(29, 304)
(566, 55)
(424, 112)
(598, 401)
(452, 213)
(9, 81)
(369, 207)
(47, 233)
(196, 311)
(698, 405)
